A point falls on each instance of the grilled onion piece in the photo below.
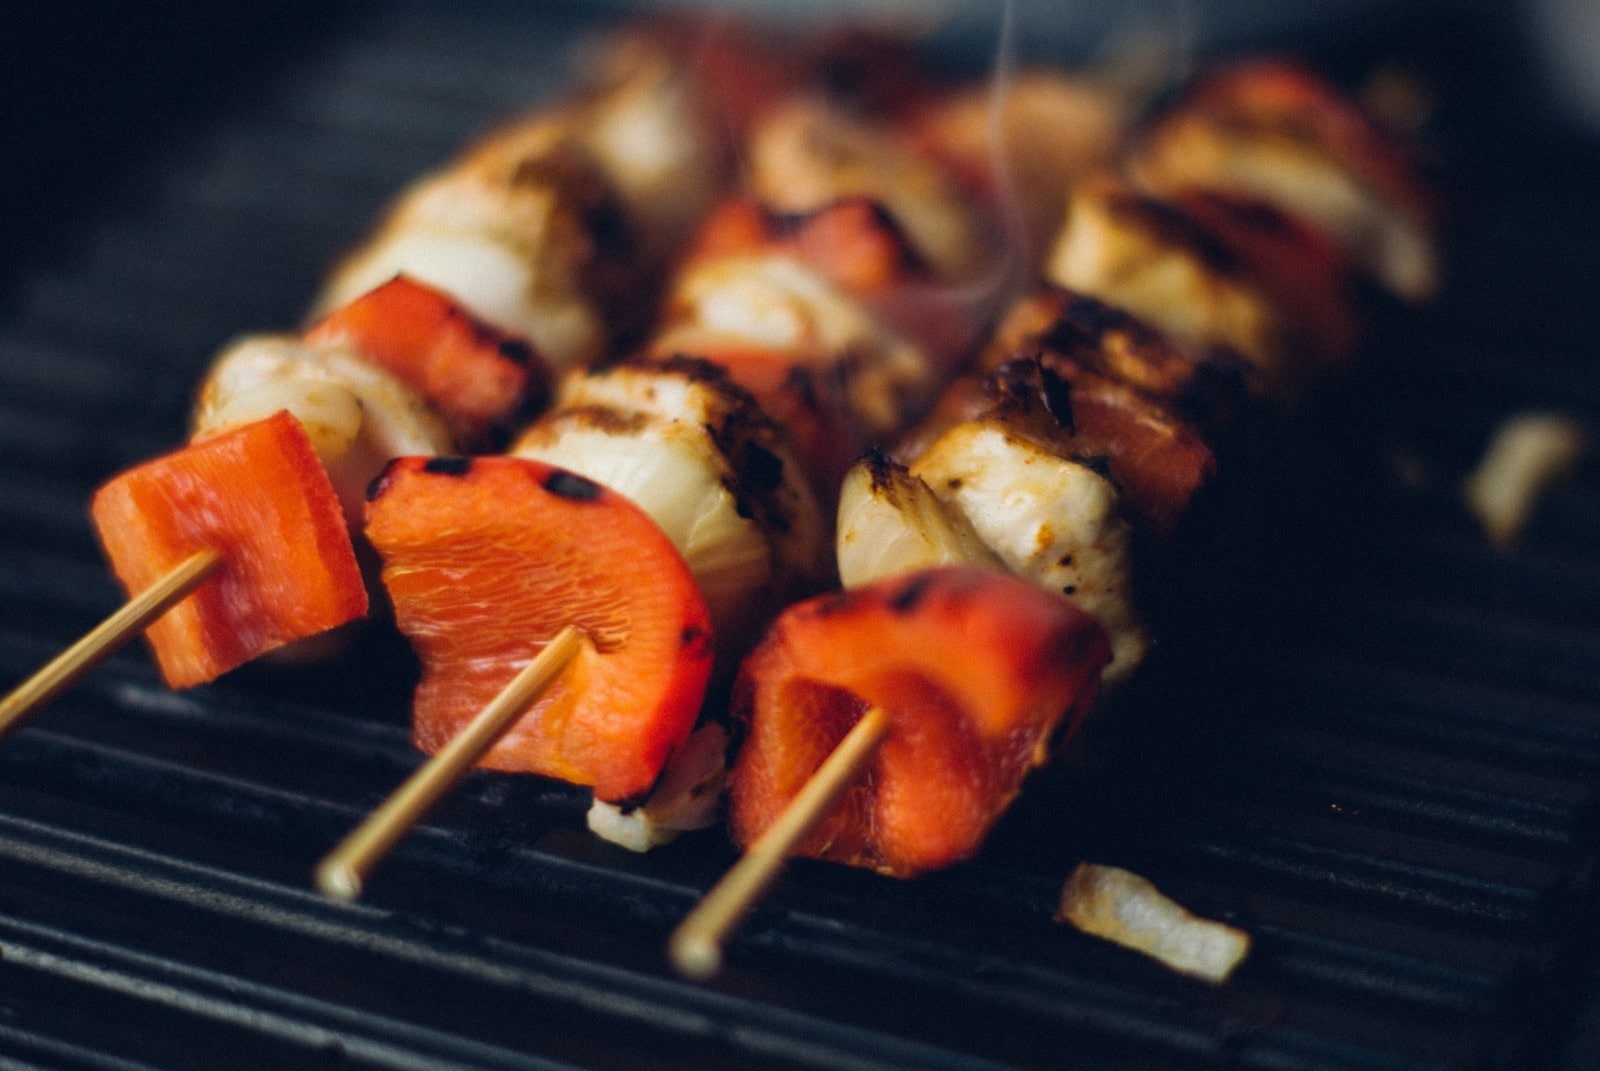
(357, 415)
(1126, 909)
(687, 797)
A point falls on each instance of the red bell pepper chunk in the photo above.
(479, 377)
(978, 671)
(486, 559)
(258, 496)
(852, 242)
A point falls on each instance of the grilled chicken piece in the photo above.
(1050, 517)
(1072, 333)
(1270, 131)
(1023, 143)
(357, 415)
(811, 152)
(1157, 459)
(1148, 257)
(692, 449)
(890, 523)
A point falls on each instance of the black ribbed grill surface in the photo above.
(1381, 762)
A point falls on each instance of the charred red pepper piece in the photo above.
(486, 559)
(259, 497)
(979, 673)
(479, 377)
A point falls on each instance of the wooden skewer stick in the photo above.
(696, 946)
(133, 618)
(343, 871)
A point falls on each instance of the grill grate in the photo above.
(1388, 777)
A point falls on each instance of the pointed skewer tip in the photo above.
(135, 615)
(338, 881)
(696, 945)
(696, 956)
(342, 871)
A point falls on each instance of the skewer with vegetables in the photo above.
(682, 440)
(404, 369)
(1206, 273)
(233, 532)
(670, 448)
(229, 548)
(1004, 488)
(785, 304)
(513, 578)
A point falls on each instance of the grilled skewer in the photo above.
(1202, 269)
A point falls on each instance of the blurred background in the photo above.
(83, 85)
(1511, 89)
